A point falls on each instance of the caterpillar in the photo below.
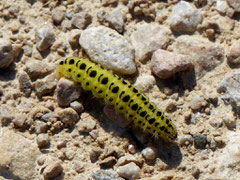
(118, 92)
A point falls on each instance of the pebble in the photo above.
(200, 141)
(185, 140)
(45, 86)
(233, 56)
(149, 153)
(165, 64)
(58, 14)
(40, 127)
(38, 69)
(117, 118)
(145, 82)
(235, 4)
(229, 120)
(205, 54)
(108, 48)
(131, 149)
(230, 87)
(81, 20)
(67, 91)
(24, 82)
(43, 141)
(222, 6)
(77, 106)
(195, 172)
(185, 17)
(6, 53)
(45, 38)
(127, 159)
(115, 20)
(148, 38)
(107, 174)
(107, 163)
(197, 103)
(86, 124)
(78, 166)
(6, 114)
(52, 170)
(19, 120)
(95, 153)
(74, 37)
(129, 171)
(215, 121)
(68, 116)
(14, 10)
(61, 144)
(70, 154)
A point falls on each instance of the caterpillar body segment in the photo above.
(118, 92)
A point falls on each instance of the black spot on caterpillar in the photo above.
(118, 92)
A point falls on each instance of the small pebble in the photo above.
(45, 38)
(41, 160)
(58, 14)
(107, 174)
(131, 149)
(68, 116)
(38, 69)
(52, 170)
(45, 86)
(229, 120)
(19, 120)
(24, 82)
(107, 163)
(61, 144)
(43, 140)
(149, 153)
(129, 171)
(185, 139)
(78, 166)
(185, 17)
(195, 172)
(235, 4)
(95, 153)
(145, 82)
(200, 141)
(81, 20)
(74, 36)
(115, 20)
(86, 124)
(197, 103)
(40, 127)
(233, 56)
(6, 53)
(77, 106)
(127, 159)
(67, 91)
(70, 154)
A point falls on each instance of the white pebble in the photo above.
(108, 48)
(129, 171)
(45, 38)
(149, 154)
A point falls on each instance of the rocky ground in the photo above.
(183, 55)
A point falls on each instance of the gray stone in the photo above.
(81, 20)
(6, 53)
(233, 56)
(108, 48)
(67, 91)
(24, 82)
(45, 86)
(185, 17)
(221, 6)
(107, 174)
(148, 38)
(6, 114)
(205, 54)
(165, 64)
(58, 14)
(68, 116)
(115, 20)
(86, 124)
(38, 69)
(129, 171)
(230, 86)
(200, 141)
(45, 38)
(149, 153)
(43, 141)
(77, 106)
(52, 170)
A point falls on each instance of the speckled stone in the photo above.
(185, 17)
(108, 48)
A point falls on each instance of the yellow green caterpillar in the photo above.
(118, 92)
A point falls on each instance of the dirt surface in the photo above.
(53, 129)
